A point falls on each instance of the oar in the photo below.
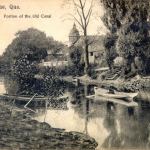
(29, 102)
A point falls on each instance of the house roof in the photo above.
(64, 50)
(95, 43)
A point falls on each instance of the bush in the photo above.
(91, 71)
(71, 70)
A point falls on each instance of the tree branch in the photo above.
(82, 9)
(67, 19)
(89, 10)
(95, 18)
(76, 4)
(74, 18)
(92, 41)
(79, 14)
(89, 18)
(84, 3)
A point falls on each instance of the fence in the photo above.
(52, 64)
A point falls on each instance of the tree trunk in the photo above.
(86, 56)
(124, 67)
(133, 65)
(144, 67)
(109, 65)
(112, 66)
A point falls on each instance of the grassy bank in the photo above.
(19, 131)
(119, 84)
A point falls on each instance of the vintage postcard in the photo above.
(74, 74)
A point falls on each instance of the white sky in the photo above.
(53, 26)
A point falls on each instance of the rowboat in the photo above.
(28, 97)
(114, 100)
(117, 95)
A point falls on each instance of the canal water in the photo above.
(112, 125)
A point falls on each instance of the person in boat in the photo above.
(111, 89)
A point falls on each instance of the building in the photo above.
(56, 59)
(74, 35)
(96, 49)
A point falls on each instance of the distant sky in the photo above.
(53, 26)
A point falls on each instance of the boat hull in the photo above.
(36, 98)
(117, 95)
(107, 99)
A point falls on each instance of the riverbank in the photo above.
(19, 131)
(119, 84)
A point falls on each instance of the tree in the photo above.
(31, 42)
(110, 49)
(114, 13)
(54, 46)
(22, 56)
(84, 12)
(23, 71)
(134, 40)
(119, 12)
(129, 19)
(75, 54)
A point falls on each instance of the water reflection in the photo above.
(111, 125)
(131, 111)
(148, 142)
(86, 117)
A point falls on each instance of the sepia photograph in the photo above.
(75, 74)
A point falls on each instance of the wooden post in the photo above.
(45, 111)
(57, 64)
(12, 107)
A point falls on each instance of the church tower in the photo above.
(74, 35)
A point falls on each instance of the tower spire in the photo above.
(74, 25)
(74, 34)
